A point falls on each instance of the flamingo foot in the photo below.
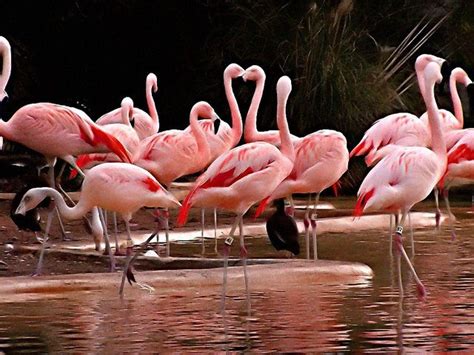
(437, 219)
(421, 292)
(453, 235)
(306, 223)
(243, 252)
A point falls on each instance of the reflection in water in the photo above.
(366, 316)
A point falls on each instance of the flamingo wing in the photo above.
(400, 128)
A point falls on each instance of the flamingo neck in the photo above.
(5, 50)
(234, 110)
(151, 104)
(457, 105)
(126, 113)
(286, 147)
(67, 212)
(251, 133)
(197, 131)
(438, 144)
(420, 79)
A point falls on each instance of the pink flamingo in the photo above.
(321, 158)
(408, 174)
(145, 124)
(243, 176)
(124, 132)
(59, 131)
(120, 187)
(226, 138)
(398, 129)
(5, 52)
(174, 153)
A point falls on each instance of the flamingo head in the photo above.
(127, 109)
(152, 82)
(284, 86)
(254, 73)
(31, 199)
(460, 75)
(423, 60)
(234, 71)
(204, 110)
(432, 74)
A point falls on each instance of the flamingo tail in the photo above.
(112, 143)
(361, 202)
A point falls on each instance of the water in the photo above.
(366, 315)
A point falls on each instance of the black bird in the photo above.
(282, 229)
(31, 220)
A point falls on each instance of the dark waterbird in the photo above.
(282, 229)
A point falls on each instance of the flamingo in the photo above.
(243, 176)
(321, 158)
(174, 153)
(402, 129)
(226, 138)
(124, 132)
(120, 187)
(5, 52)
(59, 131)
(407, 175)
(145, 124)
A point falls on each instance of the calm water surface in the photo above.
(365, 316)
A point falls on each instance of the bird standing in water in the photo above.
(282, 229)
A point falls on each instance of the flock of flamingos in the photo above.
(126, 168)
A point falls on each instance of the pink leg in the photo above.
(398, 238)
(226, 251)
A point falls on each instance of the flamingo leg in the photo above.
(203, 245)
(390, 232)
(167, 234)
(215, 231)
(452, 218)
(114, 216)
(130, 260)
(107, 241)
(243, 255)
(412, 238)
(61, 224)
(314, 217)
(438, 211)
(402, 253)
(226, 251)
(43, 246)
(306, 227)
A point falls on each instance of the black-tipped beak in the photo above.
(217, 124)
(445, 72)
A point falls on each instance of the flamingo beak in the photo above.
(21, 209)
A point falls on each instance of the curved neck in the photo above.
(438, 144)
(75, 212)
(250, 132)
(234, 110)
(151, 103)
(421, 81)
(198, 133)
(286, 146)
(125, 113)
(7, 64)
(457, 106)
